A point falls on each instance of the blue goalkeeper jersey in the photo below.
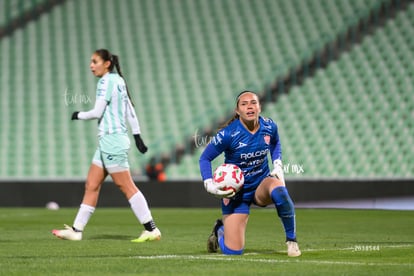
(248, 151)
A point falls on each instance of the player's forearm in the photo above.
(94, 113)
(276, 151)
(132, 119)
(208, 155)
(134, 124)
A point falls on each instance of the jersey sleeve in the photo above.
(94, 113)
(104, 89)
(208, 155)
(275, 146)
(132, 118)
(103, 97)
(217, 145)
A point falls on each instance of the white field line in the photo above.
(224, 258)
(271, 261)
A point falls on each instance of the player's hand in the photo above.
(278, 170)
(217, 189)
(140, 144)
(75, 115)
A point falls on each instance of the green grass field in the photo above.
(333, 242)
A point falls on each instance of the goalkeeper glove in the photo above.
(140, 144)
(75, 115)
(278, 170)
(217, 189)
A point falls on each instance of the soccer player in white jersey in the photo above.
(246, 141)
(113, 109)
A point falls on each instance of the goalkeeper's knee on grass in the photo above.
(227, 251)
(224, 249)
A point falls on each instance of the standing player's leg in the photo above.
(95, 178)
(273, 190)
(138, 205)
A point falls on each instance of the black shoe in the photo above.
(212, 241)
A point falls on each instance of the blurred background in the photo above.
(337, 76)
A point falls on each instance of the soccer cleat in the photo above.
(153, 235)
(68, 234)
(212, 241)
(293, 249)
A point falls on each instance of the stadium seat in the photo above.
(184, 61)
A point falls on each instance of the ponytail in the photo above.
(232, 119)
(115, 61)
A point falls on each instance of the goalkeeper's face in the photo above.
(248, 107)
(98, 66)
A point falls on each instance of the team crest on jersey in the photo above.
(267, 139)
(226, 201)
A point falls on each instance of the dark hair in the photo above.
(108, 56)
(236, 116)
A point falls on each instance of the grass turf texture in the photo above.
(333, 242)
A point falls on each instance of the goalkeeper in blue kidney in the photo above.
(246, 141)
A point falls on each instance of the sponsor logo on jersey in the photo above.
(241, 145)
(254, 154)
(235, 133)
(253, 172)
(253, 163)
(101, 92)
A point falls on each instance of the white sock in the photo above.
(84, 214)
(140, 208)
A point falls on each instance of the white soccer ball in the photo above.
(52, 206)
(229, 174)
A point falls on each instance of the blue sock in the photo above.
(227, 251)
(220, 233)
(285, 210)
(224, 249)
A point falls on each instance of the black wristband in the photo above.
(75, 115)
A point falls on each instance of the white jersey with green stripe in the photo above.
(112, 88)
